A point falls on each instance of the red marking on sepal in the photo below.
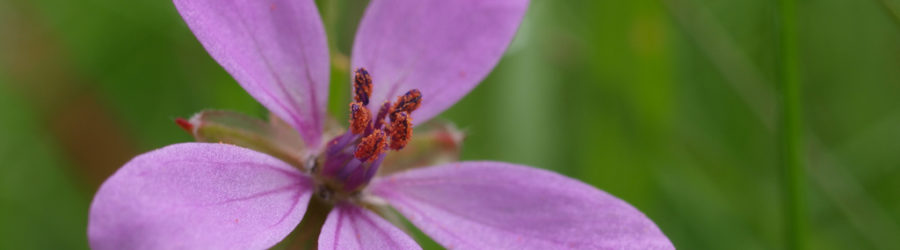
(185, 124)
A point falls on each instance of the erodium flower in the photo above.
(411, 58)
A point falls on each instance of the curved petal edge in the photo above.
(275, 49)
(198, 196)
(442, 48)
(494, 205)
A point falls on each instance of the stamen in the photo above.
(362, 84)
(401, 130)
(408, 102)
(359, 118)
(382, 112)
(371, 146)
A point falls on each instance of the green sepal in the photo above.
(273, 138)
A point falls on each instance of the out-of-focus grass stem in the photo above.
(891, 8)
(790, 133)
(844, 190)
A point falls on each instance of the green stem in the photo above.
(790, 134)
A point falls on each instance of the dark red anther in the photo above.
(359, 118)
(362, 85)
(371, 146)
(401, 130)
(185, 124)
(408, 102)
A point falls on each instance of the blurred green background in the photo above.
(669, 104)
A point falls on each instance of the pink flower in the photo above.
(425, 53)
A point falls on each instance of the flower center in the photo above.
(352, 159)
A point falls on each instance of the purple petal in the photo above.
(198, 196)
(492, 205)
(276, 50)
(350, 227)
(443, 48)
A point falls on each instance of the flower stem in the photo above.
(790, 134)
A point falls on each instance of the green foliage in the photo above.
(41, 205)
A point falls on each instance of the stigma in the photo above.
(353, 158)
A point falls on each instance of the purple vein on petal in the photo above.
(442, 48)
(268, 46)
(297, 197)
(380, 230)
(470, 218)
(257, 195)
(277, 101)
(337, 232)
(353, 225)
(198, 196)
(410, 206)
(367, 230)
(426, 202)
(280, 83)
(515, 207)
(314, 104)
(296, 175)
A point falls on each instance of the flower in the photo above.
(425, 53)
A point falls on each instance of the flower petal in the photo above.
(492, 205)
(350, 227)
(198, 196)
(442, 48)
(276, 50)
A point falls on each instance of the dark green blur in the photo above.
(670, 105)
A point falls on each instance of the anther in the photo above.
(362, 84)
(359, 117)
(371, 146)
(408, 102)
(401, 130)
